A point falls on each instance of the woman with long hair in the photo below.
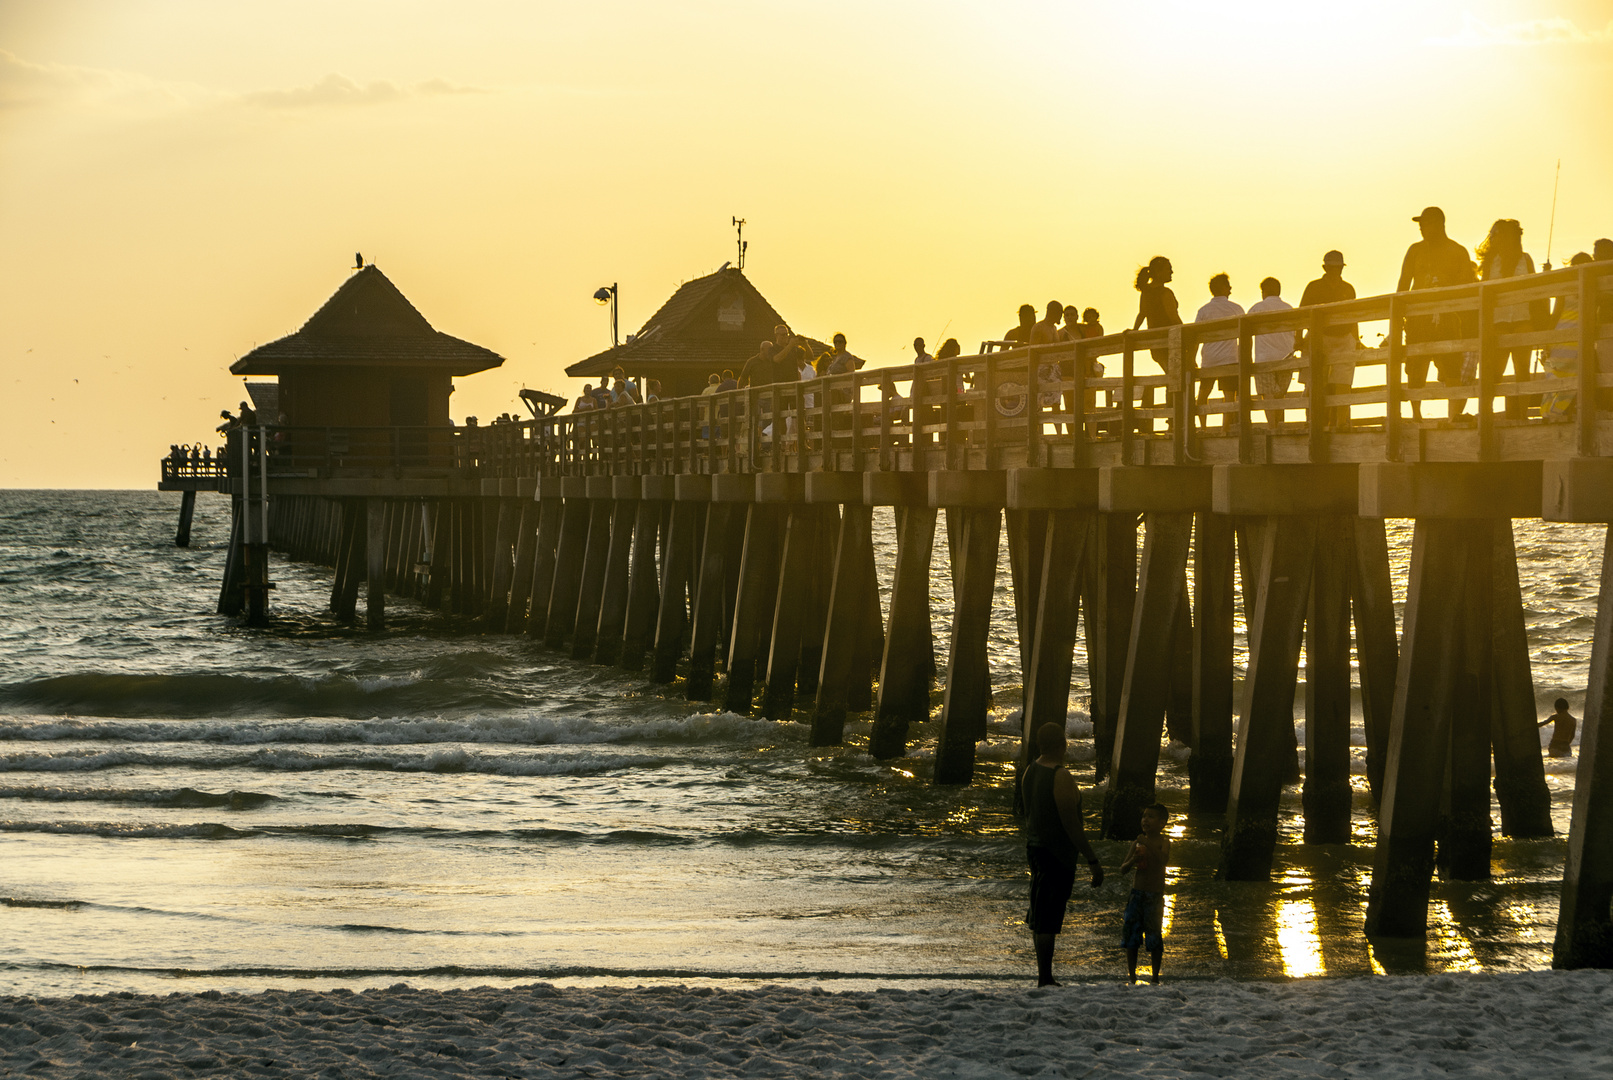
(1156, 307)
(1501, 255)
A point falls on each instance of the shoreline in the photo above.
(1557, 1023)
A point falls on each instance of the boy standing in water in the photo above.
(1562, 735)
(1145, 911)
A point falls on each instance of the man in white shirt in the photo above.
(1270, 347)
(1220, 354)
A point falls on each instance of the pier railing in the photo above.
(1090, 402)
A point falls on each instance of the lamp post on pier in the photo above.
(606, 294)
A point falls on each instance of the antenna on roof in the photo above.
(739, 224)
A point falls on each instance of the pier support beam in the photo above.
(1419, 732)
(643, 588)
(1584, 918)
(1150, 659)
(672, 621)
(501, 575)
(1520, 774)
(1108, 596)
(753, 605)
(1047, 678)
(350, 559)
(526, 546)
(551, 518)
(187, 511)
(846, 639)
(904, 674)
(797, 566)
(596, 557)
(375, 553)
(568, 565)
(1327, 794)
(709, 603)
(968, 689)
(1377, 648)
(1210, 765)
(618, 571)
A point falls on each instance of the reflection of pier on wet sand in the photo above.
(732, 532)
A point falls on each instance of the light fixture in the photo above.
(606, 294)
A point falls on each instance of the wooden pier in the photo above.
(729, 535)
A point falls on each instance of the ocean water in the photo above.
(187, 803)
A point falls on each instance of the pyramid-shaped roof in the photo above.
(717, 320)
(367, 323)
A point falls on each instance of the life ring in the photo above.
(1011, 399)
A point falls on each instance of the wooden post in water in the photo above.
(708, 602)
(627, 492)
(968, 689)
(1376, 645)
(596, 555)
(1149, 661)
(1463, 843)
(1419, 731)
(1047, 679)
(789, 612)
(845, 641)
(1585, 913)
(568, 564)
(643, 586)
(672, 618)
(187, 511)
(753, 605)
(375, 553)
(1327, 795)
(1108, 596)
(526, 548)
(1266, 715)
(501, 576)
(551, 516)
(344, 588)
(1210, 766)
(1520, 773)
(904, 679)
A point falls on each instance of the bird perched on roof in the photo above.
(358, 260)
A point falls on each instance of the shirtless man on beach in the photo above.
(1145, 910)
(1054, 840)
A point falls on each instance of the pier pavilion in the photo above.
(670, 536)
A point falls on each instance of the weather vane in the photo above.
(739, 225)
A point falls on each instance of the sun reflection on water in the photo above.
(1297, 939)
(1447, 939)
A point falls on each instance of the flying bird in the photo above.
(358, 260)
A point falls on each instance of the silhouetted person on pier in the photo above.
(758, 370)
(1054, 840)
(839, 361)
(1271, 385)
(919, 355)
(1027, 322)
(585, 401)
(1091, 323)
(1219, 357)
(1563, 360)
(1562, 734)
(1434, 262)
(1156, 307)
(1339, 343)
(1046, 332)
(1501, 255)
(1145, 909)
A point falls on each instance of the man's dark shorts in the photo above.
(1051, 884)
(1145, 912)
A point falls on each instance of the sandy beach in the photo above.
(1557, 1024)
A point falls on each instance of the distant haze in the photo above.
(181, 181)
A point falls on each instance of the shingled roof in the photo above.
(713, 321)
(367, 323)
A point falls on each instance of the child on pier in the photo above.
(1146, 909)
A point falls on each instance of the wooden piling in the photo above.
(568, 569)
(1047, 678)
(753, 605)
(501, 574)
(618, 577)
(1327, 795)
(526, 547)
(344, 586)
(1027, 541)
(968, 690)
(1108, 597)
(672, 619)
(232, 590)
(375, 551)
(187, 511)
(1419, 731)
(1146, 689)
(596, 557)
(551, 521)
(1210, 764)
(1266, 712)
(1462, 847)
(904, 677)
(796, 567)
(1585, 913)
(1520, 772)
(709, 606)
(643, 588)
(1377, 648)
(438, 574)
(845, 642)
(815, 614)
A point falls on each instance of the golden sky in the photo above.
(181, 181)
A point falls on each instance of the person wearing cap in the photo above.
(1339, 343)
(1434, 262)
